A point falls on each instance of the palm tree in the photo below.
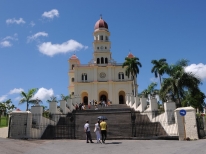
(194, 98)
(144, 93)
(159, 68)
(177, 82)
(28, 97)
(52, 99)
(132, 68)
(65, 98)
(150, 90)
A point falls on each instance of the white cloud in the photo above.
(51, 14)
(50, 49)
(17, 98)
(16, 91)
(32, 24)
(35, 36)
(15, 21)
(44, 94)
(5, 44)
(14, 37)
(198, 69)
(3, 98)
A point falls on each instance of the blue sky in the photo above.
(38, 37)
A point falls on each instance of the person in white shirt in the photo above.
(97, 131)
(87, 131)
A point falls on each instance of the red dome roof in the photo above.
(74, 57)
(101, 24)
(130, 55)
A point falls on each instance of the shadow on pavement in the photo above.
(114, 143)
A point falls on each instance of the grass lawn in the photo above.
(3, 121)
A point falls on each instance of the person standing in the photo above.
(103, 127)
(87, 131)
(97, 131)
(89, 105)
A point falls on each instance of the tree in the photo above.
(194, 98)
(150, 90)
(159, 68)
(132, 68)
(6, 106)
(52, 99)
(65, 98)
(178, 82)
(28, 97)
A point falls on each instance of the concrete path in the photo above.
(11, 146)
(4, 132)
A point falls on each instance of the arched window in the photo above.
(72, 66)
(72, 79)
(97, 60)
(106, 60)
(102, 60)
(101, 37)
(106, 38)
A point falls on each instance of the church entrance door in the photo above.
(103, 98)
(85, 100)
(121, 97)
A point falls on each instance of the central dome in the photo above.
(101, 24)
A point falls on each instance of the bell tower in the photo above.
(101, 44)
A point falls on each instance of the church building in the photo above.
(102, 78)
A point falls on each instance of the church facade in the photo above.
(102, 78)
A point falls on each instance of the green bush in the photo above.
(4, 121)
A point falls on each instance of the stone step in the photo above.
(120, 125)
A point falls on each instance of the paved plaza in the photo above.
(11, 146)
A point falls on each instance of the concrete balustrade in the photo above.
(169, 108)
(127, 99)
(53, 107)
(37, 111)
(19, 119)
(131, 100)
(63, 106)
(153, 105)
(143, 104)
(69, 103)
(136, 102)
(187, 126)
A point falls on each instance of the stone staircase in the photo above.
(65, 129)
(120, 124)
